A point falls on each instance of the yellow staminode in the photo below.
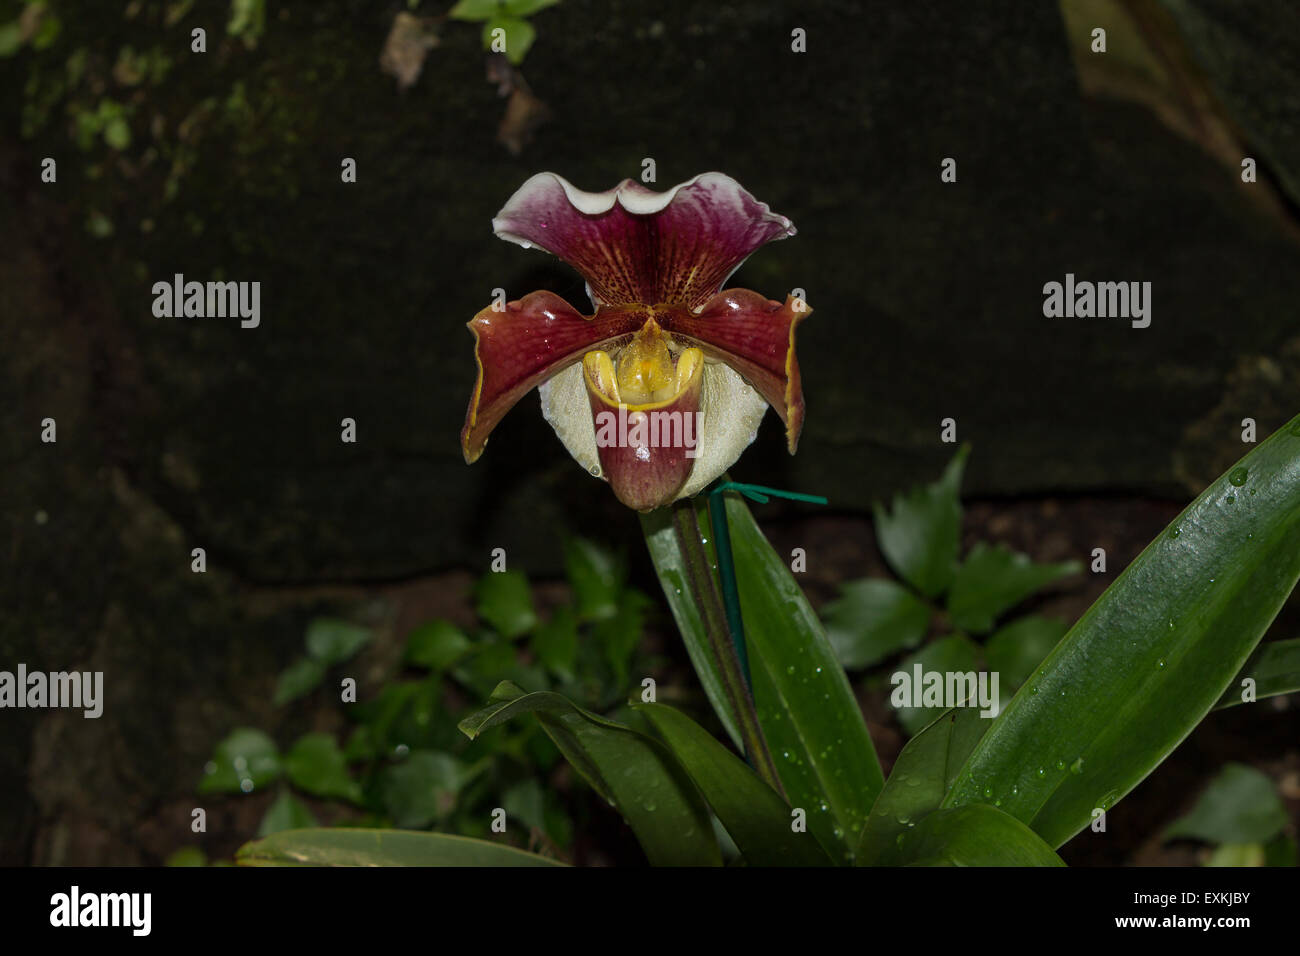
(645, 373)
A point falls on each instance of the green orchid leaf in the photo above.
(812, 722)
(754, 815)
(505, 602)
(920, 534)
(634, 772)
(994, 579)
(919, 781)
(670, 566)
(316, 765)
(1150, 658)
(953, 654)
(872, 619)
(298, 680)
(1241, 805)
(1274, 668)
(365, 847)
(975, 835)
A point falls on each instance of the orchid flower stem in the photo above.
(714, 618)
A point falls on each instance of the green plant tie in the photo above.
(726, 564)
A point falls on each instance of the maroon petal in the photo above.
(755, 336)
(634, 245)
(518, 349)
(646, 451)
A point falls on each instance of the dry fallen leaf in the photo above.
(408, 43)
(524, 113)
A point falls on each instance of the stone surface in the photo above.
(928, 296)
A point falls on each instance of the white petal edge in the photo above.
(732, 413)
(631, 195)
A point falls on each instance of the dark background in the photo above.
(182, 433)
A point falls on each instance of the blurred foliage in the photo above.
(1243, 819)
(113, 100)
(504, 22)
(404, 763)
(877, 619)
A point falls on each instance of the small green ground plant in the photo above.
(403, 763)
(966, 600)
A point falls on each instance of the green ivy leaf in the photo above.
(872, 619)
(286, 812)
(1241, 805)
(596, 578)
(518, 36)
(994, 579)
(316, 765)
(421, 789)
(526, 8)
(505, 602)
(245, 761)
(619, 636)
(556, 643)
(919, 536)
(298, 679)
(475, 9)
(332, 641)
(436, 645)
(1016, 649)
(524, 802)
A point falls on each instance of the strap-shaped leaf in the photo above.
(812, 722)
(1151, 656)
(919, 781)
(1275, 669)
(670, 566)
(338, 846)
(755, 817)
(975, 835)
(810, 718)
(632, 771)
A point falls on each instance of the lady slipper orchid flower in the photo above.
(661, 389)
